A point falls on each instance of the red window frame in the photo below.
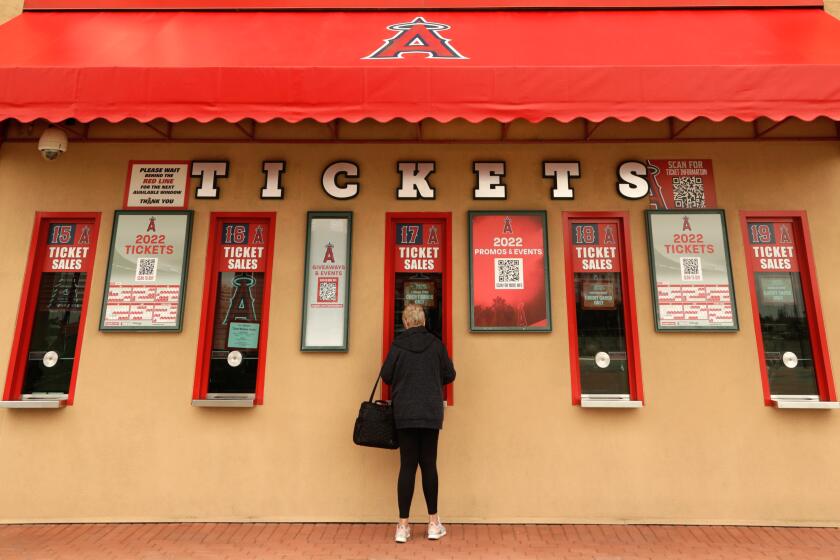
(208, 301)
(629, 291)
(391, 219)
(810, 291)
(29, 296)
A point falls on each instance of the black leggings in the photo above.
(418, 446)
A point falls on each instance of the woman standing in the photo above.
(417, 368)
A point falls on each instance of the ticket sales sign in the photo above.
(418, 248)
(690, 271)
(68, 248)
(146, 271)
(509, 289)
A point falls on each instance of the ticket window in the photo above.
(418, 271)
(45, 356)
(232, 343)
(791, 341)
(601, 311)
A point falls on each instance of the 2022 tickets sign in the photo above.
(146, 271)
(690, 271)
(326, 295)
(509, 289)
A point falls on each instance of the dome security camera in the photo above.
(53, 143)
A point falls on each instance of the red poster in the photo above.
(681, 183)
(418, 248)
(595, 247)
(509, 271)
(243, 247)
(68, 247)
(771, 247)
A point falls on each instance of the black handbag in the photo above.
(375, 424)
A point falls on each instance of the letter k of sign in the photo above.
(417, 36)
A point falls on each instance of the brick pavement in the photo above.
(345, 541)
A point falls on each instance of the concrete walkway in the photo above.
(343, 541)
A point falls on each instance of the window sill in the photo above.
(35, 403)
(608, 401)
(804, 403)
(229, 400)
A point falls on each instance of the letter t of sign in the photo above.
(208, 171)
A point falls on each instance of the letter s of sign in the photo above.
(632, 181)
(208, 171)
(414, 180)
(330, 177)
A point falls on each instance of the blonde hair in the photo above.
(413, 316)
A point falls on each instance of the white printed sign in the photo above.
(327, 282)
(157, 184)
(146, 271)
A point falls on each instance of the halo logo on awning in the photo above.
(417, 36)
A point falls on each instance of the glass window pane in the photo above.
(238, 316)
(784, 328)
(55, 328)
(422, 289)
(600, 328)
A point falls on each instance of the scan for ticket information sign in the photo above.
(326, 298)
(681, 184)
(691, 274)
(509, 286)
(147, 268)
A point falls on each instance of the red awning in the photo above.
(502, 65)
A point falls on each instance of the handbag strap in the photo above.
(373, 391)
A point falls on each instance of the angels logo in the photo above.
(241, 306)
(686, 224)
(417, 36)
(328, 254)
(259, 237)
(508, 227)
(151, 226)
(609, 236)
(84, 237)
(784, 234)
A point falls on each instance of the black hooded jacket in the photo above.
(417, 368)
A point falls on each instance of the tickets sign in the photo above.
(509, 271)
(147, 268)
(681, 183)
(243, 247)
(772, 247)
(417, 248)
(157, 184)
(69, 247)
(595, 247)
(691, 271)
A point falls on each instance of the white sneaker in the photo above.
(403, 533)
(436, 531)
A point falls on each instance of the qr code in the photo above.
(146, 270)
(328, 290)
(689, 192)
(509, 274)
(690, 269)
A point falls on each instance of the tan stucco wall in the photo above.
(9, 9)
(703, 449)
